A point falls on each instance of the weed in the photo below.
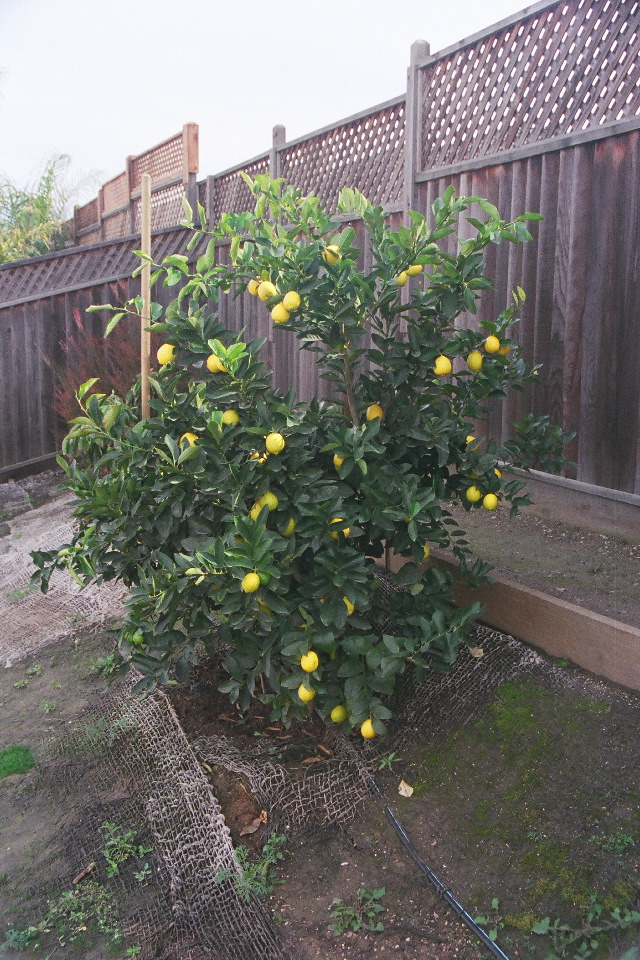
(21, 684)
(255, 878)
(495, 922)
(589, 937)
(359, 916)
(120, 846)
(70, 917)
(15, 760)
(617, 842)
(35, 670)
(48, 706)
(387, 762)
(108, 666)
(15, 596)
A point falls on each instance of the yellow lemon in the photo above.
(250, 582)
(473, 494)
(490, 501)
(190, 437)
(252, 287)
(414, 270)
(367, 730)
(266, 289)
(265, 609)
(166, 353)
(469, 439)
(289, 529)
(443, 366)
(331, 254)
(492, 344)
(402, 278)
(474, 361)
(270, 499)
(497, 472)
(254, 513)
(345, 531)
(215, 364)
(374, 410)
(280, 314)
(339, 714)
(306, 694)
(338, 461)
(426, 552)
(350, 607)
(230, 418)
(291, 300)
(503, 351)
(309, 661)
(274, 443)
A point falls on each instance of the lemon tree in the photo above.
(251, 524)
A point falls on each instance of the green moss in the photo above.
(15, 760)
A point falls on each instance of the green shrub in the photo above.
(251, 523)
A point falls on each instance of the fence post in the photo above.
(210, 201)
(132, 211)
(279, 138)
(420, 51)
(190, 160)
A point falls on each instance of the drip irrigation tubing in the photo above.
(446, 895)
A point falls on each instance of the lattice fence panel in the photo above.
(161, 162)
(366, 153)
(166, 208)
(88, 215)
(231, 192)
(568, 68)
(115, 193)
(116, 226)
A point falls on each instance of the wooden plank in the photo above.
(602, 646)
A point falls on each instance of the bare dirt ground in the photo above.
(528, 810)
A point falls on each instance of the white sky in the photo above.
(101, 79)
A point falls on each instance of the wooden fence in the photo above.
(539, 112)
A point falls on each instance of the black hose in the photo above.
(439, 886)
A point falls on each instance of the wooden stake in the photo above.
(145, 293)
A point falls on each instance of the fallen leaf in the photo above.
(255, 824)
(85, 873)
(313, 760)
(326, 750)
(404, 789)
(476, 652)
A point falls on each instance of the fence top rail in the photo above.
(360, 115)
(474, 38)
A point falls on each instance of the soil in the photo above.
(529, 810)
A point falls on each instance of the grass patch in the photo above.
(15, 760)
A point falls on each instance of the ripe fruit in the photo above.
(443, 366)
(426, 551)
(166, 354)
(309, 661)
(503, 351)
(250, 582)
(338, 460)
(492, 344)
(339, 714)
(490, 501)
(230, 418)
(345, 531)
(367, 730)
(497, 472)
(265, 609)
(266, 289)
(374, 410)
(291, 300)
(414, 270)
(306, 694)
(350, 607)
(473, 494)
(402, 278)
(280, 314)
(331, 254)
(254, 513)
(270, 499)
(274, 443)
(252, 287)
(469, 439)
(190, 437)
(215, 364)
(289, 529)
(474, 361)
